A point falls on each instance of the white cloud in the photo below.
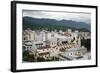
(80, 17)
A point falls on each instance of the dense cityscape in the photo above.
(43, 45)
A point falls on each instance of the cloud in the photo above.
(80, 17)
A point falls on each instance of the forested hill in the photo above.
(52, 24)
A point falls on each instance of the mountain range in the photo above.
(39, 23)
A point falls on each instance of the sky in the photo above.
(75, 16)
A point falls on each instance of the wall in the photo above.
(5, 36)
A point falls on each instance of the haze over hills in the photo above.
(51, 24)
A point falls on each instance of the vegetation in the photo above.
(49, 27)
(31, 58)
(28, 57)
(86, 43)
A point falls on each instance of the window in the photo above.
(71, 53)
(24, 38)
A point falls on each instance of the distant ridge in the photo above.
(37, 23)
